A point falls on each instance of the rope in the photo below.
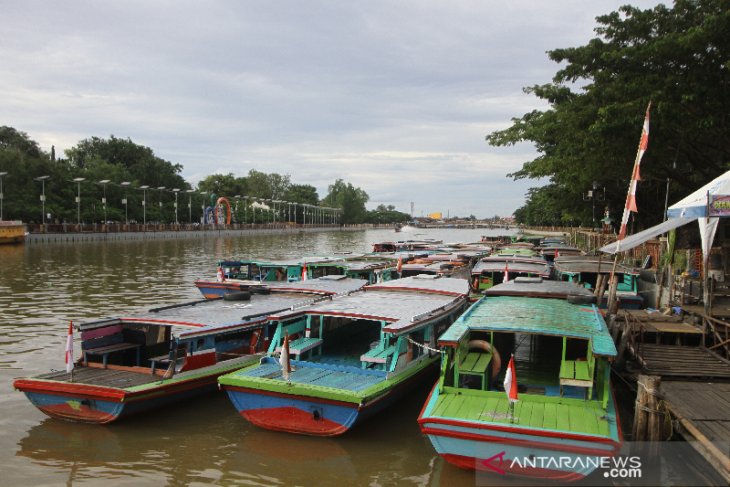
(421, 345)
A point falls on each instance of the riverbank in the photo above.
(166, 232)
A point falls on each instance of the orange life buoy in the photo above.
(488, 347)
(254, 341)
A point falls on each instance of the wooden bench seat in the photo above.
(576, 373)
(300, 345)
(106, 350)
(377, 355)
(477, 364)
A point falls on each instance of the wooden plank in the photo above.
(550, 413)
(537, 417)
(563, 417)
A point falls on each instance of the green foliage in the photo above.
(349, 199)
(678, 59)
(387, 214)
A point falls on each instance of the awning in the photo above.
(639, 238)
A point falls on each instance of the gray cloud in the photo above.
(394, 97)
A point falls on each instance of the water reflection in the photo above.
(43, 286)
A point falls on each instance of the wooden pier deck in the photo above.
(702, 412)
(691, 365)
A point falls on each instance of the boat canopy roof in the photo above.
(540, 316)
(213, 316)
(577, 264)
(536, 265)
(402, 304)
(538, 287)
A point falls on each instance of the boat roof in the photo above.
(402, 303)
(537, 287)
(512, 264)
(213, 316)
(576, 264)
(540, 316)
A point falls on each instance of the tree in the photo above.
(677, 58)
(349, 199)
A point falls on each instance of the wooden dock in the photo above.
(702, 414)
(689, 363)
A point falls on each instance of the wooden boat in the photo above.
(423, 246)
(551, 251)
(350, 358)
(586, 269)
(12, 232)
(564, 419)
(238, 275)
(492, 270)
(130, 365)
(444, 268)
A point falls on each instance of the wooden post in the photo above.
(648, 420)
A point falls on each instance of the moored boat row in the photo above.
(316, 346)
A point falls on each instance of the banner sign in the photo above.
(719, 205)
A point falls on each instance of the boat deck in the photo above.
(573, 415)
(319, 374)
(103, 377)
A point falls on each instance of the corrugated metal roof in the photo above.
(515, 264)
(541, 316)
(538, 287)
(401, 302)
(211, 316)
(574, 264)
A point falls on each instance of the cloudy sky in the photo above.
(393, 96)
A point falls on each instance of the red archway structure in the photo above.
(218, 203)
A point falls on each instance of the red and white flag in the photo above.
(70, 348)
(506, 272)
(399, 267)
(635, 176)
(510, 381)
(304, 272)
(284, 358)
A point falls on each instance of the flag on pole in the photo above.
(510, 381)
(399, 267)
(284, 358)
(304, 271)
(635, 176)
(70, 348)
(506, 272)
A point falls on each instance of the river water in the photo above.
(43, 286)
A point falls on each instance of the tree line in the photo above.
(114, 177)
(679, 59)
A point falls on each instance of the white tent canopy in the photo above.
(705, 205)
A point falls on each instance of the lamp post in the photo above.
(190, 203)
(78, 198)
(4, 173)
(160, 188)
(176, 191)
(594, 195)
(42, 179)
(104, 182)
(144, 203)
(125, 184)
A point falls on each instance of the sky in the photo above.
(395, 97)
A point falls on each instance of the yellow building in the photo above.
(436, 216)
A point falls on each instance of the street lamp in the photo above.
(78, 198)
(42, 179)
(176, 191)
(104, 182)
(190, 203)
(144, 203)
(125, 184)
(4, 173)
(594, 195)
(160, 188)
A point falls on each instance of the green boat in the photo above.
(564, 423)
